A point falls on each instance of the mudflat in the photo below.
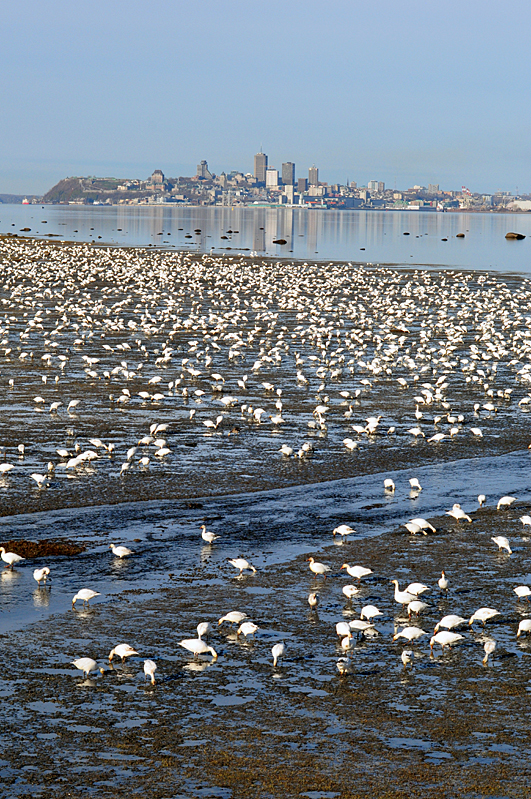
(328, 350)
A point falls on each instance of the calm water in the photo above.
(366, 236)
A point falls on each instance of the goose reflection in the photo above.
(194, 665)
(41, 597)
(9, 575)
(206, 553)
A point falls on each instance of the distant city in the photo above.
(268, 185)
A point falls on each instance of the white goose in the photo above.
(356, 571)
(198, 647)
(11, 558)
(318, 568)
(403, 597)
(445, 639)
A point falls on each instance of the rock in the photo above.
(405, 234)
(279, 241)
(460, 236)
(517, 236)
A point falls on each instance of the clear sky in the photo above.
(405, 91)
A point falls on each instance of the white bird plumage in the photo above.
(150, 668)
(318, 568)
(41, 575)
(10, 558)
(502, 542)
(122, 651)
(120, 551)
(198, 647)
(86, 665)
(85, 594)
(278, 652)
(242, 565)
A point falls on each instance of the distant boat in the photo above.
(25, 201)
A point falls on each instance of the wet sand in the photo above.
(445, 727)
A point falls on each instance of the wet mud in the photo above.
(445, 725)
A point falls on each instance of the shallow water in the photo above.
(165, 535)
(360, 236)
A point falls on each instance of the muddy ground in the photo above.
(236, 727)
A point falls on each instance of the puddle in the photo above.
(228, 701)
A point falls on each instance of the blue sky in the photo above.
(415, 91)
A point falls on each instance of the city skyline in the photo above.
(408, 93)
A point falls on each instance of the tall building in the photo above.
(313, 176)
(260, 166)
(202, 170)
(302, 185)
(372, 185)
(288, 173)
(289, 191)
(271, 177)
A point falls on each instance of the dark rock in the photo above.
(279, 241)
(516, 236)
(460, 236)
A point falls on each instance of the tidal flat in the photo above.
(124, 354)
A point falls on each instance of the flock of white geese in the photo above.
(409, 600)
(110, 358)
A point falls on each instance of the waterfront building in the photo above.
(260, 166)
(302, 185)
(313, 176)
(288, 173)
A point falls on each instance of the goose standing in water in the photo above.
(10, 558)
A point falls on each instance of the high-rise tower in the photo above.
(260, 166)
(313, 176)
(288, 173)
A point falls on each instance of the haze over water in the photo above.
(361, 236)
